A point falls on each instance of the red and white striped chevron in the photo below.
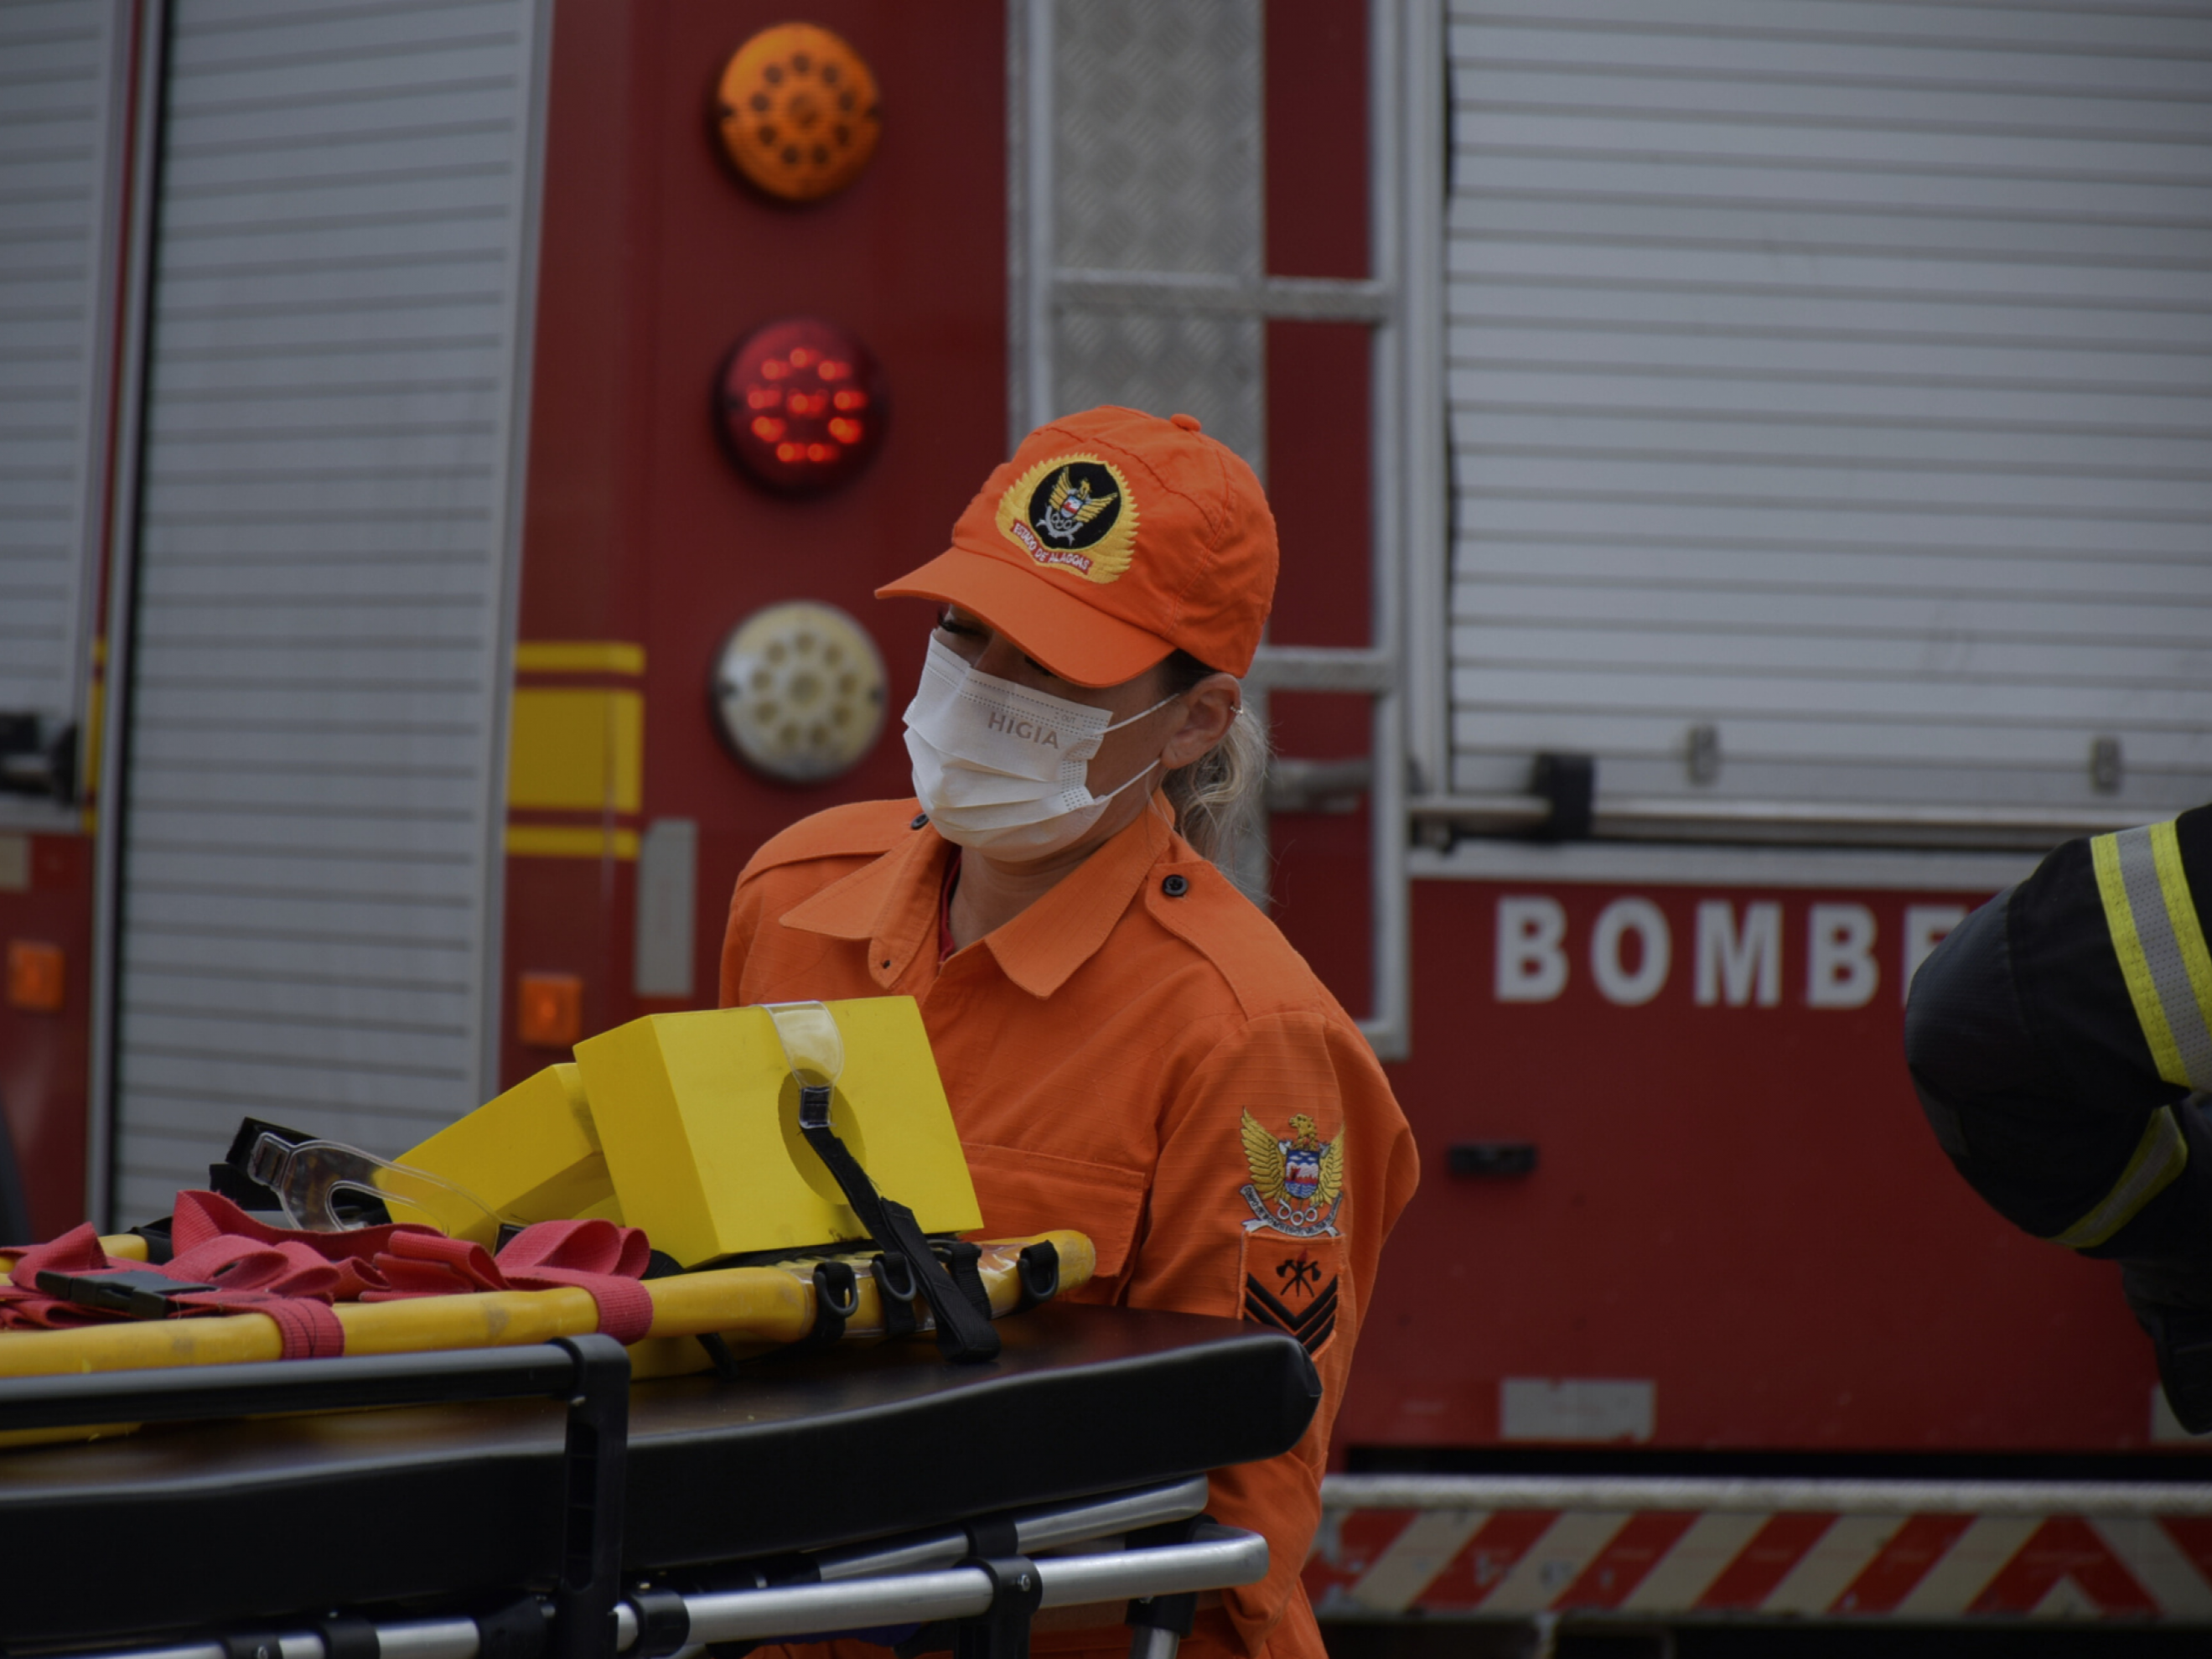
(1848, 1551)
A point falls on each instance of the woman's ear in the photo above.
(1208, 708)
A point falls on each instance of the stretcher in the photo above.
(534, 1499)
(767, 1305)
(451, 1406)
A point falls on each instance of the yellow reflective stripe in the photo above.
(579, 657)
(2160, 1155)
(2188, 944)
(2146, 901)
(554, 841)
(571, 750)
(2120, 920)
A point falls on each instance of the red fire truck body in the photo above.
(1677, 1195)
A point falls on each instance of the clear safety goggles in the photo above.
(309, 1177)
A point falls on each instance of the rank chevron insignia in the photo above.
(1296, 1184)
(1313, 1324)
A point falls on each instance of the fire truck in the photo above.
(1741, 483)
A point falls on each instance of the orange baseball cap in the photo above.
(1111, 538)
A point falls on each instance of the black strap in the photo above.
(836, 1299)
(719, 1355)
(1003, 1632)
(1174, 1613)
(160, 1247)
(962, 1261)
(964, 1336)
(895, 1290)
(1039, 1273)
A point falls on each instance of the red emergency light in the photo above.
(801, 405)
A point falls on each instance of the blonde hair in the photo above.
(1217, 797)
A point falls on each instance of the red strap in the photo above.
(294, 1276)
(428, 1264)
(201, 1216)
(287, 1281)
(595, 1255)
(24, 1306)
(591, 1246)
(34, 1311)
(307, 1328)
(230, 1263)
(76, 1251)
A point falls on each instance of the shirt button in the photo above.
(920, 819)
(1175, 886)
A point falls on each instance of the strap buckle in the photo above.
(134, 1292)
(814, 1048)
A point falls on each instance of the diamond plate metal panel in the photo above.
(1209, 366)
(1156, 136)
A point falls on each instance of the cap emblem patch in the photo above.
(1074, 511)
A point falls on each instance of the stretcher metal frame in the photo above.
(979, 1577)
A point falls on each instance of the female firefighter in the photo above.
(1129, 1047)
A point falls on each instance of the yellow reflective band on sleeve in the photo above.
(2160, 1155)
(2160, 946)
(2189, 944)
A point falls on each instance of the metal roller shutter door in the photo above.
(62, 68)
(1838, 377)
(338, 366)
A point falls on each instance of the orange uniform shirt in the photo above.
(1140, 1056)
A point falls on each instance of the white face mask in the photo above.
(1000, 768)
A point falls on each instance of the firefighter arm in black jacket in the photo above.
(2060, 1040)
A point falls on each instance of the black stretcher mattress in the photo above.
(192, 1524)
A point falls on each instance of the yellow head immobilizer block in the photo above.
(531, 1155)
(690, 1130)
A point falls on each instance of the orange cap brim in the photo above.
(1080, 644)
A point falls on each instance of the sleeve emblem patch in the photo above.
(1294, 1285)
(1297, 1183)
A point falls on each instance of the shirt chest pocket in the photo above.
(1024, 1192)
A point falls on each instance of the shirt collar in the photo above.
(892, 904)
(1039, 949)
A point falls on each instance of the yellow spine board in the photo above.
(748, 1306)
(670, 1351)
(531, 1155)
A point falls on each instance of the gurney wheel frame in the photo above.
(590, 1373)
